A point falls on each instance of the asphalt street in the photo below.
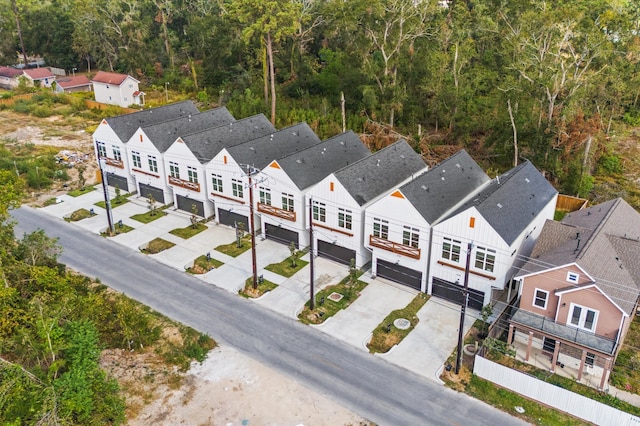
(371, 387)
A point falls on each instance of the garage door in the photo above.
(230, 218)
(146, 190)
(281, 235)
(399, 274)
(453, 292)
(117, 181)
(335, 252)
(186, 204)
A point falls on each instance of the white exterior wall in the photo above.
(224, 165)
(278, 181)
(180, 154)
(141, 144)
(339, 198)
(482, 234)
(8, 82)
(105, 134)
(113, 94)
(399, 212)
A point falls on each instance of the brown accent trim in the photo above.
(113, 162)
(576, 345)
(277, 212)
(145, 173)
(192, 186)
(319, 225)
(217, 194)
(460, 268)
(394, 247)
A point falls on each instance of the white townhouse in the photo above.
(112, 135)
(187, 160)
(340, 200)
(502, 221)
(116, 89)
(154, 140)
(398, 225)
(283, 183)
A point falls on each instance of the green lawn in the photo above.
(78, 215)
(157, 245)
(189, 231)
(119, 230)
(202, 265)
(386, 334)
(325, 307)
(116, 201)
(286, 267)
(233, 250)
(263, 287)
(150, 216)
(81, 191)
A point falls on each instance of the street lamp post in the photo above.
(73, 71)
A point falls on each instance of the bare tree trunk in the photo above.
(344, 114)
(165, 34)
(515, 132)
(272, 78)
(265, 73)
(14, 5)
(587, 148)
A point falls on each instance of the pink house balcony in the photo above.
(193, 186)
(398, 248)
(113, 162)
(277, 212)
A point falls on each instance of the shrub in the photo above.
(609, 164)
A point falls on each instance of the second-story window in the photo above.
(344, 218)
(117, 155)
(451, 249)
(192, 173)
(216, 183)
(265, 196)
(287, 202)
(410, 236)
(174, 170)
(380, 228)
(319, 212)
(236, 188)
(102, 150)
(135, 158)
(153, 164)
(485, 258)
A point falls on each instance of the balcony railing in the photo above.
(275, 211)
(394, 247)
(113, 162)
(193, 186)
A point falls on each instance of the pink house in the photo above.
(40, 77)
(579, 292)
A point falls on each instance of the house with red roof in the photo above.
(79, 83)
(117, 89)
(39, 77)
(9, 77)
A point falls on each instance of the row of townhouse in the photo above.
(385, 208)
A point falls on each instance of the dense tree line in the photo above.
(538, 80)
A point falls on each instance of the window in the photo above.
(153, 164)
(102, 150)
(192, 173)
(548, 344)
(174, 170)
(381, 228)
(216, 183)
(319, 212)
(590, 359)
(236, 188)
(583, 318)
(287, 202)
(344, 218)
(410, 236)
(117, 155)
(540, 298)
(135, 158)
(572, 277)
(485, 258)
(265, 196)
(451, 249)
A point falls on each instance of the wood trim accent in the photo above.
(192, 186)
(339, 231)
(113, 162)
(277, 212)
(394, 247)
(460, 268)
(237, 200)
(145, 173)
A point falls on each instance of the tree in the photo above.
(271, 21)
(151, 201)
(292, 250)
(38, 249)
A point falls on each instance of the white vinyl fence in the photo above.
(551, 395)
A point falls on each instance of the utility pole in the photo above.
(463, 308)
(253, 232)
(311, 292)
(105, 189)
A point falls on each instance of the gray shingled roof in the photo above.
(380, 172)
(208, 143)
(126, 125)
(310, 166)
(511, 201)
(262, 151)
(440, 189)
(604, 240)
(162, 135)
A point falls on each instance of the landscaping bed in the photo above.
(204, 264)
(386, 335)
(327, 305)
(289, 266)
(156, 246)
(264, 286)
(189, 231)
(233, 250)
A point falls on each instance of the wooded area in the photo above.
(538, 80)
